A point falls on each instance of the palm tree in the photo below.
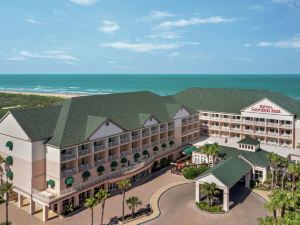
(294, 171)
(209, 189)
(124, 185)
(214, 151)
(5, 190)
(132, 203)
(91, 203)
(2, 160)
(206, 150)
(101, 197)
(274, 160)
(284, 166)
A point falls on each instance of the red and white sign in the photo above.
(265, 109)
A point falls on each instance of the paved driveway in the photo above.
(178, 208)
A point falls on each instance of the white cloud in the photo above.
(36, 22)
(289, 43)
(175, 54)
(166, 35)
(247, 45)
(195, 21)
(52, 54)
(108, 26)
(257, 8)
(83, 2)
(140, 47)
(160, 14)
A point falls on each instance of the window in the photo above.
(258, 175)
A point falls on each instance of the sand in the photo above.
(62, 95)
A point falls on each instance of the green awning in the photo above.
(188, 151)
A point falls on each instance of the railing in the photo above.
(98, 148)
(171, 138)
(68, 172)
(146, 145)
(112, 144)
(184, 123)
(83, 152)
(272, 124)
(163, 129)
(146, 134)
(125, 153)
(135, 150)
(154, 131)
(171, 127)
(154, 143)
(125, 140)
(68, 156)
(84, 167)
(136, 137)
(273, 134)
(99, 162)
(112, 157)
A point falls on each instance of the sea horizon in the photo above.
(163, 84)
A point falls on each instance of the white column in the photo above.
(197, 192)
(59, 207)
(226, 199)
(264, 175)
(45, 213)
(32, 207)
(20, 200)
(247, 180)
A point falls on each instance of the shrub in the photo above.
(124, 160)
(171, 143)
(9, 174)
(85, 174)
(136, 156)
(114, 164)
(192, 172)
(145, 153)
(213, 209)
(10, 145)
(69, 181)
(9, 160)
(51, 183)
(155, 148)
(100, 170)
(163, 145)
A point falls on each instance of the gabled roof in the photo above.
(232, 100)
(249, 141)
(229, 171)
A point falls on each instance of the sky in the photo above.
(150, 36)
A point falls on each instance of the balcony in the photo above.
(163, 140)
(125, 153)
(184, 122)
(136, 150)
(83, 167)
(146, 134)
(272, 124)
(147, 145)
(125, 140)
(136, 137)
(171, 138)
(68, 156)
(83, 152)
(154, 131)
(163, 129)
(154, 143)
(113, 143)
(68, 172)
(171, 127)
(99, 162)
(112, 158)
(248, 131)
(99, 148)
(273, 134)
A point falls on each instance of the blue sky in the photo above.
(143, 36)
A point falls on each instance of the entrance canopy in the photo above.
(189, 151)
(228, 172)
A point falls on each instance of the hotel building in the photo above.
(61, 154)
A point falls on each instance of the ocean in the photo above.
(161, 84)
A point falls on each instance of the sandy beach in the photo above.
(62, 95)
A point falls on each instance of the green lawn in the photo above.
(16, 101)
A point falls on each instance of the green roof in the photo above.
(229, 171)
(257, 158)
(74, 120)
(232, 100)
(249, 141)
(189, 151)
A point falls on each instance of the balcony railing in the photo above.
(146, 134)
(146, 145)
(99, 162)
(112, 144)
(163, 129)
(112, 157)
(136, 150)
(154, 143)
(125, 153)
(98, 148)
(125, 140)
(154, 131)
(136, 137)
(68, 156)
(171, 127)
(83, 167)
(68, 172)
(171, 138)
(83, 152)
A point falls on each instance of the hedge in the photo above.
(192, 172)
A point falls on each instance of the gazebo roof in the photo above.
(249, 141)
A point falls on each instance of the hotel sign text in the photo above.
(265, 109)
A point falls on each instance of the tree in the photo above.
(268, 220)
(192, 172)
(209, 189)
(284, 165)
(132, 203)
(294, 171)
(91, 203)
(124, 185)
(206, 150)
(214, 151)
(2, 160)
(101, 197)
(5, 190)
(275, 161)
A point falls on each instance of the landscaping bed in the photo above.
(210, 209)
